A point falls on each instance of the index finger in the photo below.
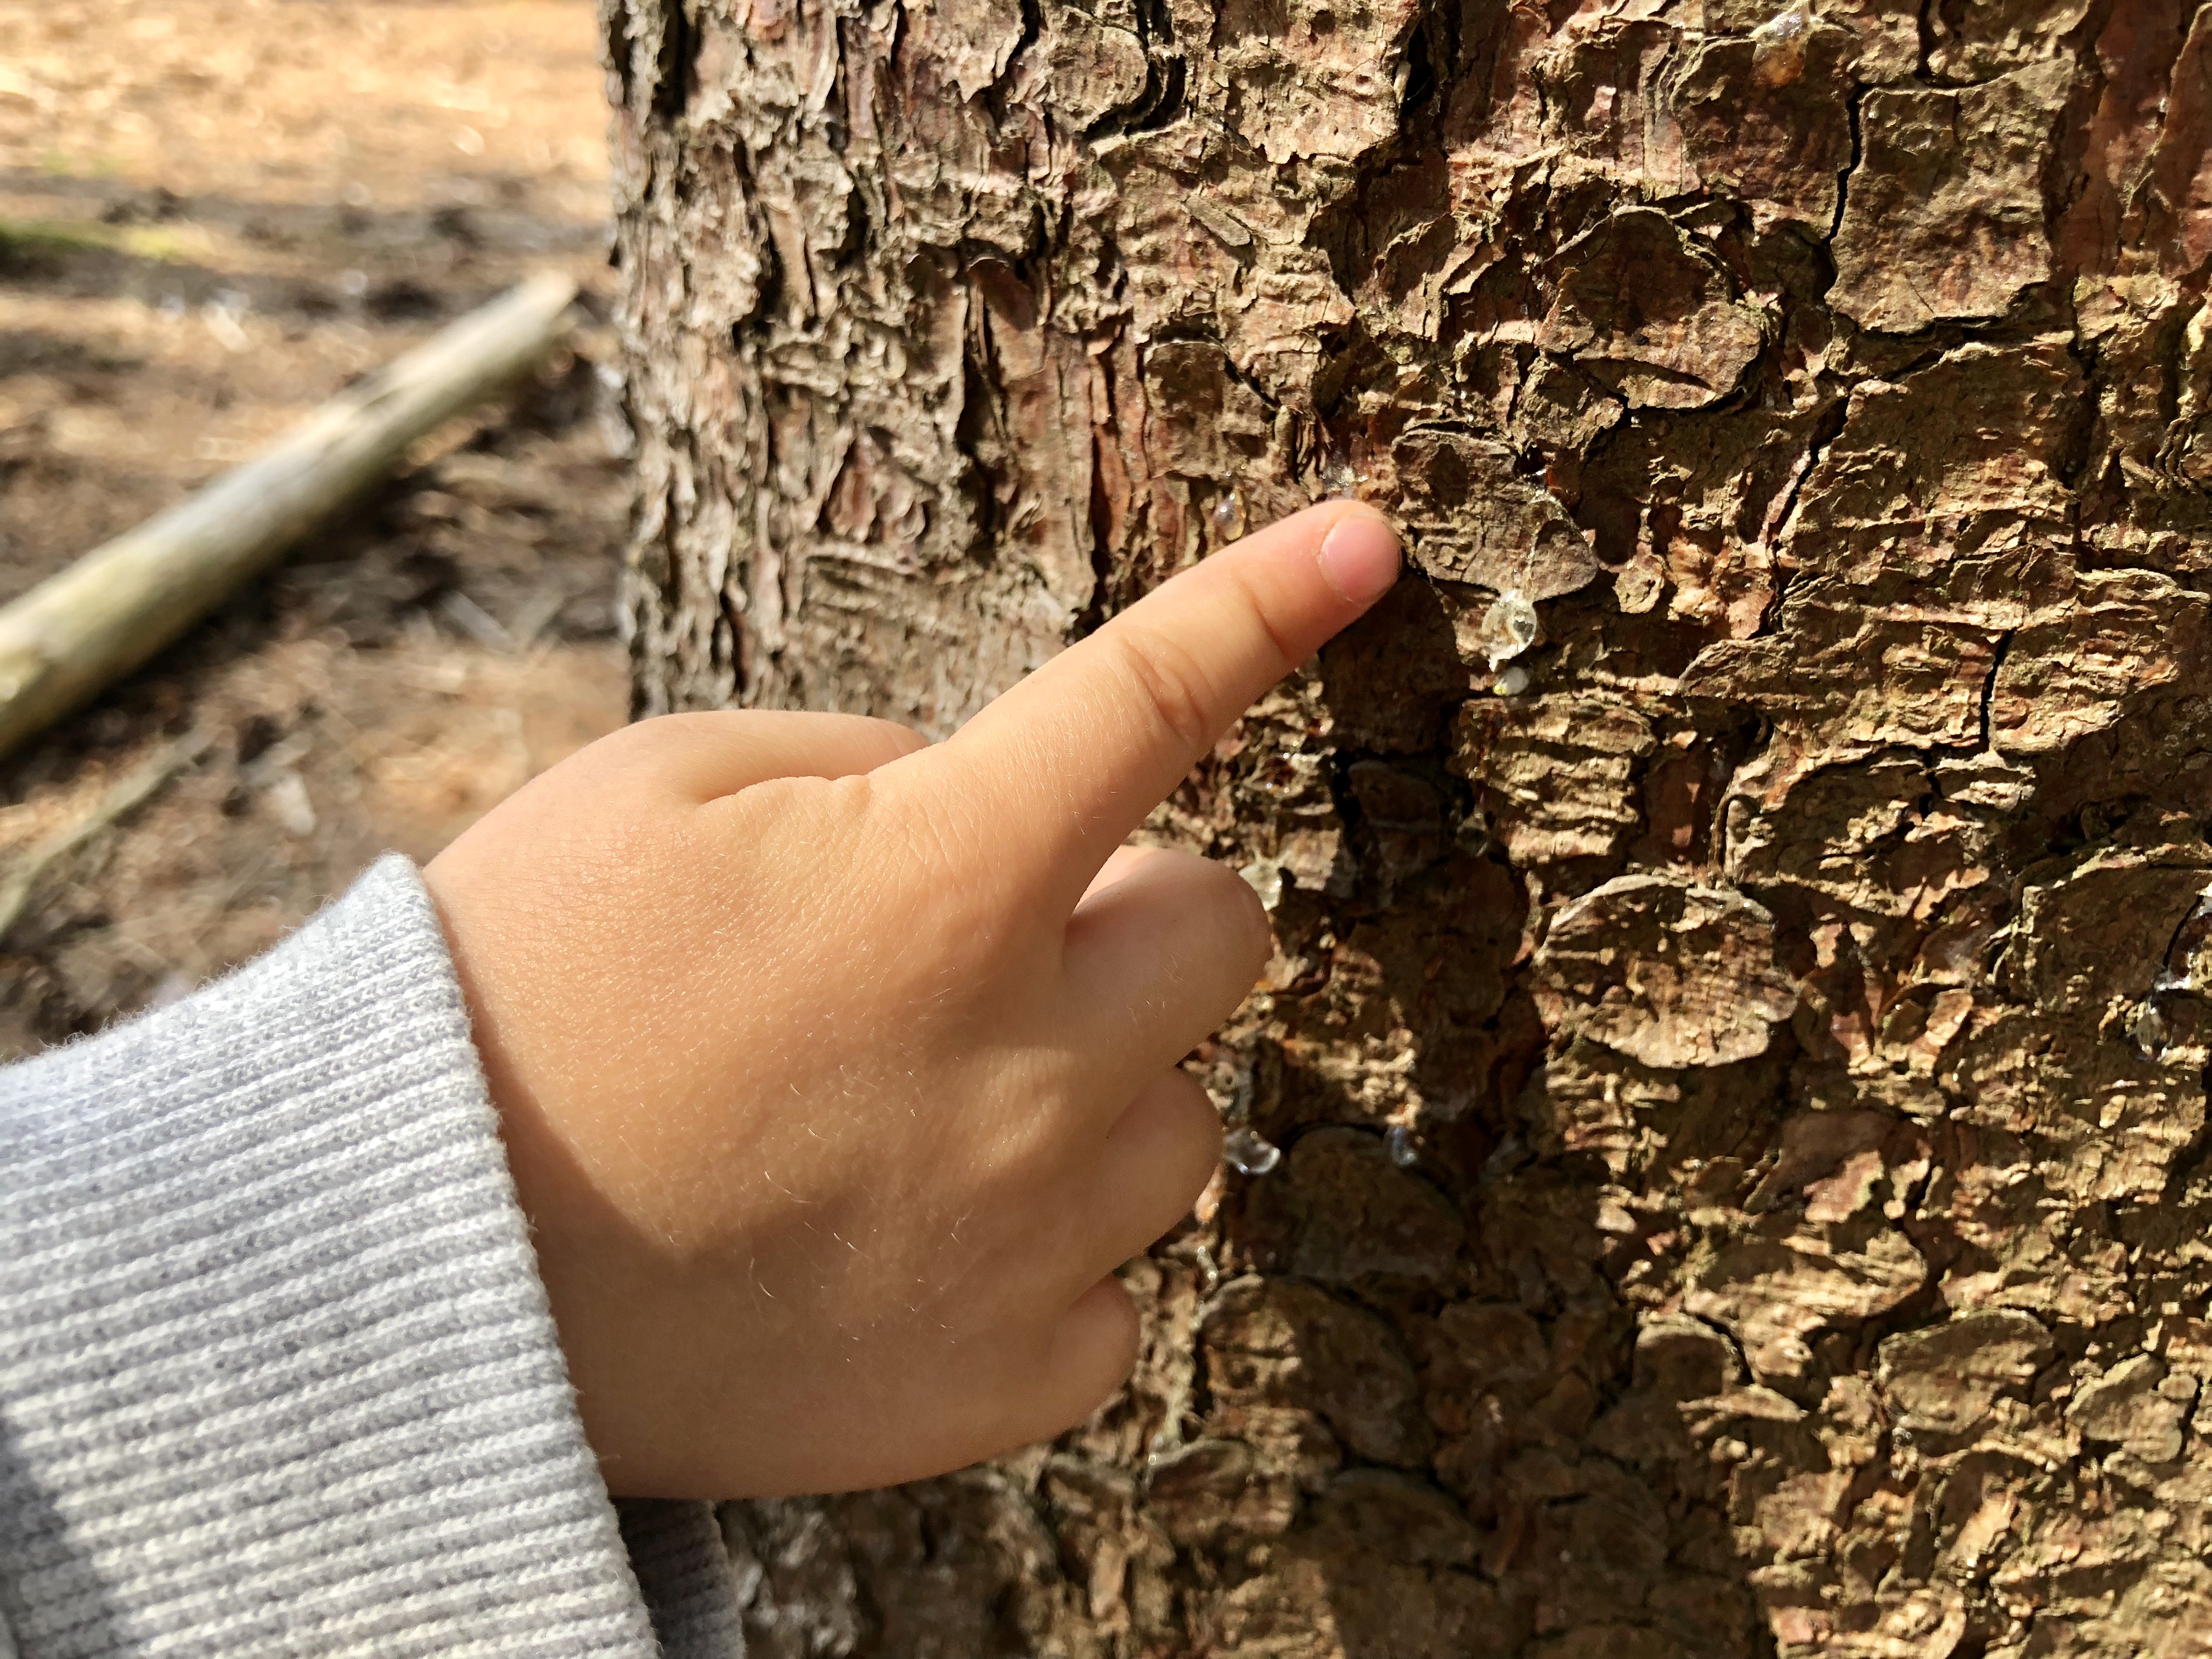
(1066, 764)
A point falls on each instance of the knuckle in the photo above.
(1172, 685)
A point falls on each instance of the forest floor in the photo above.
(213, 214)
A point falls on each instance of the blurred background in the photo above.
(215, 214)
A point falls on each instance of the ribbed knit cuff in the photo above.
(276, 1373)
(683, 1568)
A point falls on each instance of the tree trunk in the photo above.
(1736, 1049)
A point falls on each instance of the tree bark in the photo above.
(1736, 1047)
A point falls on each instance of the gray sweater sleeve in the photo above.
(276, 1373)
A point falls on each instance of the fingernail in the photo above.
(1359, 556)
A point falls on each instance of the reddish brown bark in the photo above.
(1736, 1042)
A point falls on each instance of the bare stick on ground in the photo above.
(77, 632)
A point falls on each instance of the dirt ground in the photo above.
(213, 214)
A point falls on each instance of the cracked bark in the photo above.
(1739, 1058)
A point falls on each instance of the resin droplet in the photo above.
(1336, 472)
(1265, 878)
(1250, 1152)
(1779, 47)
(1509, 628)
(1787, 25)
(1229, 516)
(1403, 1152)
(1512, 683)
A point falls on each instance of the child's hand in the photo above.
(838, 1072)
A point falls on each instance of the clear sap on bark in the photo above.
(1265, 878)
(1229, 516)
(1786, 25)
(1509, 628)
(2148, 1030)
(1250, 1152)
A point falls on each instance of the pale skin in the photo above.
(838, 1071)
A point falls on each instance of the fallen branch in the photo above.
(125, 795)
(77, 632)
